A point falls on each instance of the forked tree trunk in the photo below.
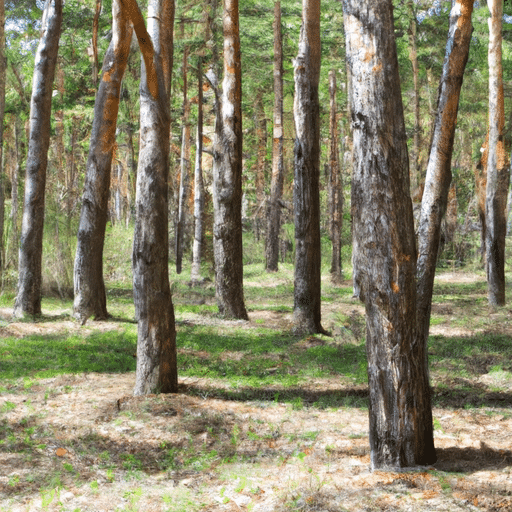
(184, 171)
(306, 113)
(384, 230)
(90, 297)
(336, 190)
(438, 178)
(197, 249)
(28, 299)
(497, 164)
(276, 184)
(156, 333)
(227, 176)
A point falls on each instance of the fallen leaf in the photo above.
(60, 452)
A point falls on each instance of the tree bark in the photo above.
(306, 112)
(90, 297)
(497, 164)
(197, 249)
(383, 230)
(156, 335)
(95, 25)
(336, 190)
(438, 178)
(28, 299)
(227, 175)
(2, 113)
(413, 57)
(276, 185)
(184, 170)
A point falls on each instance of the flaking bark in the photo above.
(28, 299)
(384, 233)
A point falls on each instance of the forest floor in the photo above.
(289, 437)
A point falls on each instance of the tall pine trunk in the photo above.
(383, 230)
(335, 188)
(156, 333)
(306, 113)
(197, 249)
(2, 113)
(276, 184)
(184, 170)
(438, 177)
(90, 297)
(497, 164)
(227, 175)
(28, 299)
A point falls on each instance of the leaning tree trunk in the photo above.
(336, 190)
(276, 184)
(438, 178)
(197, 249)
(227, 176)
(306, 197)
(156, 334)
(384, 230)
(497, 164)
(28, 299)
(90, 297)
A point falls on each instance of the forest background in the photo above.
(250, 393)
(421, 29)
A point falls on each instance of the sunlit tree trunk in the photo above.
(90, 297)
(227, 176)
(384, 230)
(497, 164)
(156, 333)
(438, 177)
(336, 190)
(276, 184)
(306, 112)
(28, 299)
(197, 249)
(184, 170)
(2, 112)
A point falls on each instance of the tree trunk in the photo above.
(156, 340)
(227, 176)
(413, 57)
(261, 161)
(90, 297)
(2, 112)
(95, 25)
(383, 230)
(197, 249)
(438, 178)
(276, 185)
(336, 190)
(306, 112)
(497, 164)
(28, 299)
(184, 171)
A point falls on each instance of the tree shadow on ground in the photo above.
(470, 459)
